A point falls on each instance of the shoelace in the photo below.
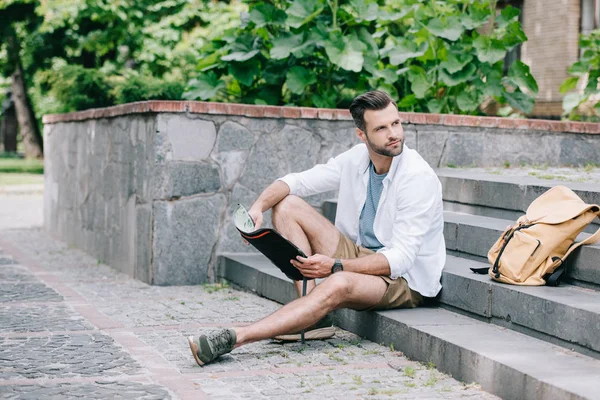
(221, 341)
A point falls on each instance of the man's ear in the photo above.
(361, 135)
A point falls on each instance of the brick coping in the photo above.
(200, 107)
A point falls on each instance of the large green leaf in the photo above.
(435, 105)
(507, 16)
(569, 84)
(274, 73)
(489, 50)
(325, 99)
(520, 101)
(284, 46)
(592, 85)
(493, 84)
(514, 35)
(245, 72)
(346, 52)
(366, 10)
(467, 101)
(367, 39)
(204, 87)
(405, 50)
(450, 28)
(265, 13)
(408, 101)
(519, 75)
(298, 78)
(465, 74)
(302, 12)
(419, 82)
(456, 62)
(240, 55)
(579, 68)
(572, 101)
(208, 61)
(474, 20)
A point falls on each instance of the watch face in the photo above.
(337, 268)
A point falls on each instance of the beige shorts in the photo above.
(397, 295)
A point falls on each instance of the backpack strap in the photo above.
(554, 278)
(590, 240)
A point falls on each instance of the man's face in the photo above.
(384, 134)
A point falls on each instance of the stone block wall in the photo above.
(149, 188)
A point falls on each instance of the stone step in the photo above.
(475, 235)
(503, 196)
(568, 313)
(506, 363)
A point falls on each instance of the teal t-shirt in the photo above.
(367, 215)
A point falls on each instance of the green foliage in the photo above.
(78, 54)
(78, 88)
(443, 56)
(134, 87)
(583, 105)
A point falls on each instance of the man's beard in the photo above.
(383, 151)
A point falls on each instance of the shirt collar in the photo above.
(363, 165)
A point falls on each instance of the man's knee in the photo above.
(338, 288)
(288, 206)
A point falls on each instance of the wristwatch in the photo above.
(337, 266)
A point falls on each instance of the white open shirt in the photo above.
(409, 222)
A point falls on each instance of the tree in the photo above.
(435, 56)
(16, 18)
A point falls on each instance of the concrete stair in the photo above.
(517, 342)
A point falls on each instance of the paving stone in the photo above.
(63, 356)
(28, 291)
(47, 318)
(99, 390)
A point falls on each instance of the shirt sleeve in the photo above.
(415, 210)
(320, 178)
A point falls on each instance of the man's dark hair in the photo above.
(373, 100)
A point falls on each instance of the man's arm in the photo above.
(272, 195)
(319, 266)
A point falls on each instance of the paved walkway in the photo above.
(73, 327)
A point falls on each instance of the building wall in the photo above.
(552, 28)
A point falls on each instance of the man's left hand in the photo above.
(315, 266)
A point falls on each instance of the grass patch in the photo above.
(11, 164)
(410, 372)
(432, 381)
(357, 380)
(20, 179)
(215, 287)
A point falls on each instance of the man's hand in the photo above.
(256, 215)
(315, 266)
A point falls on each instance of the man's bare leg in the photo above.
(302, 225)
(342, 290)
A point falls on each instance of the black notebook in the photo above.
(270, 243)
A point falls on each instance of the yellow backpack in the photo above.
(532, 251)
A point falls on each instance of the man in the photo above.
(386, 249)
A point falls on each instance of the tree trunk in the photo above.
(8, 127)
(30, 133)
